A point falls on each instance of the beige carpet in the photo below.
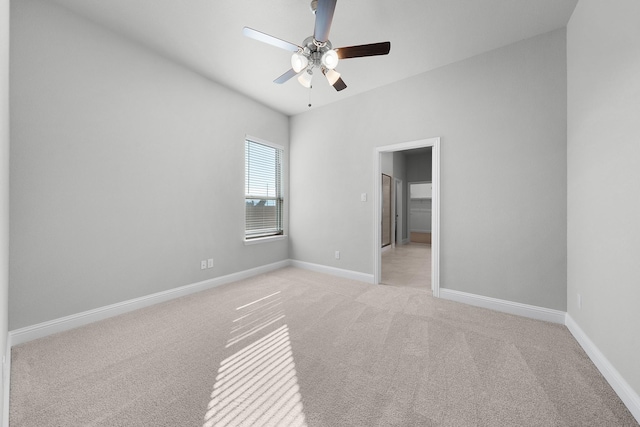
(298, 348)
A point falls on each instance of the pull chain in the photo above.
(310, 87)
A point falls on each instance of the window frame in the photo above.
(280, 234)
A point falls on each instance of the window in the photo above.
(263, 189)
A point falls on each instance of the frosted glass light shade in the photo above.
(305, 79)
(330, 59)
(299, 62)
(332, 76)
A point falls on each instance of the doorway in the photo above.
(400, 234)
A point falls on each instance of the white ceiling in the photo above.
(206, 36)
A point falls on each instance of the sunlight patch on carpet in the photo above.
(257, 384)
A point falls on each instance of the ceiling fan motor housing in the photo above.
(314, 51)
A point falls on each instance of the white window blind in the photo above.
(263, 190)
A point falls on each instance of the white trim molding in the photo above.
(40, 330)
(22, 335)
(624, 391)
(268, 239)
(519, 309)
(628, 396)
(334, 271)
(434, 143)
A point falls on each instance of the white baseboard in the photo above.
(525, 310)
(347, 274)
(40, 330)
(628, 396)
(44, 329)
(22, 335)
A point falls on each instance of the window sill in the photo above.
(264, 240)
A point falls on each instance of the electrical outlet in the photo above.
(210, 263)
(579, 301)
(337, 254)
(203, 264)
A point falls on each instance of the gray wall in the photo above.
(386, 164)
(418, 165)
(126, 169)
(603, 41)
(4, 182)
(502, 120)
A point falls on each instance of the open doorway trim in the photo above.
(435, 213)
(397, 211)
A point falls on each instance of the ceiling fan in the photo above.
(316, 51)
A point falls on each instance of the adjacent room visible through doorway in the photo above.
(408, 261)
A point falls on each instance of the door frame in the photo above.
(434, 143)
(397, 211)
(391, 236)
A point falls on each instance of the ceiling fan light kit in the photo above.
(305, 78)
(330, 59)
(332, 76)
(316, 50)
(299, 62)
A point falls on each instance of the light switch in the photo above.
(363, 197)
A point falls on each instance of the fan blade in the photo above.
(266, 38)
(285, 77)
(339, 84)
(359, 51)
(324, 16)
